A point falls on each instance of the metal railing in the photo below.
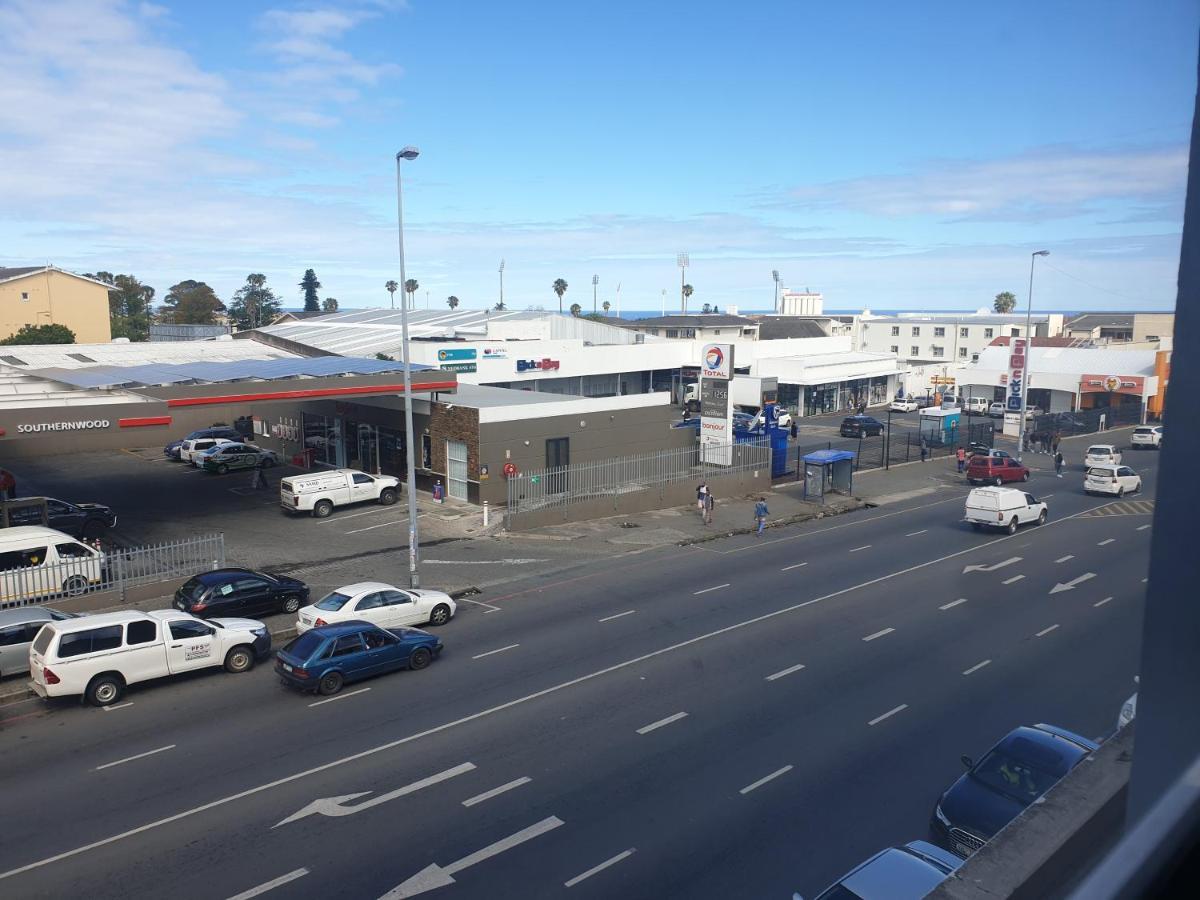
(82, 569)
(564, 485)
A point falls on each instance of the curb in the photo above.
(778, 523)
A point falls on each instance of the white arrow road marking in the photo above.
(333, 806)
(993, 568)
(435, 876)
(270, 885)
(1071, 585)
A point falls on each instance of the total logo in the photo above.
(713, 358)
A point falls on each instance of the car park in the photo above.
(1102, 454)
(380, 604)
(1006, 508)
(997, 410)
(227, 457)
(861, 426)
(995, 470)
(904, 404)
(1116, 480)
(326, 658)
(898, 873)
(240, 592)
(80, 520)
(190, 451)
(98, 656)
(18, 628)
(1147, 437)
(172, 450)
(320, 492)
(1013, 774)
(42, 562)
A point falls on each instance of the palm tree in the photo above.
(410, 287)
(391, 288)
(1004, 302)
(452, 302)
(687, 293)
(576, 309)
(606, 306)
(560, 288)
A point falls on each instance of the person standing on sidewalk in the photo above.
(701, 491)
(961, 455)
(795, 429)
(760, 514)
(924, 449)
(709, 503)
(1055, 441)
(1058, 463)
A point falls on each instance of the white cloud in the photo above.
(304, 41)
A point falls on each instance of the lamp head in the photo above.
(1041, 252)
(409, 152)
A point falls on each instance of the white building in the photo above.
(701, 326)
(951, 338)
(801, 303)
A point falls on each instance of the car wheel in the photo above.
(1120, 492)
(999, 482)
(387, 496)
(322, 509)
(1139, 487)
(421, 657)
(440, 615)
(239, 659)
(222, 469)
(1042, 517)
(291, 603)
(1012, 526)
(75, 585)
(104, 690)
(976, 526)
(330, 683)
(1025, 477)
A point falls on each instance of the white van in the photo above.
(976, 406)
(998, 507)
(41, 562)
(320, 492)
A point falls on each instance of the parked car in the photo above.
(189, 451)
(995, 507)
(326, 658)
(995, 470)
(1032, 412)
(225, 457)
(898, 873)
(741, 421)
(42, 562)
(989, 451)
(99, 656)
(320, 492)
(905, 404)
(1013, 774)
(1102, 455)
(171, 450)
(240, 592)
(18, 628)
(1128, 709)
(976, 406)
(1118, 480)
(997, 410)
(861, 426)
(80, 520)
(1147, 437)
(380, 604)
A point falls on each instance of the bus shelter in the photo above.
(828, 471)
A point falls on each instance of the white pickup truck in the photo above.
(320, 492)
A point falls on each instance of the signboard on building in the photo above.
(86, 424)
(537, 365)
(716, 361)
(495, 353)
(457, 353)
(459, 367)
(716, 422)
(1018, 349)
(1113, 384)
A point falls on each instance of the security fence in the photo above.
(41, 571)
(901, 445)
(566, 485)
(1087, 421)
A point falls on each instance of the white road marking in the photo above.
(1141, 528)
(1144, 580)
(1073, 583)
(1045, 631)
(373, 527)
(977, 667)
(490, 652)
(863, 547)
(1047, 496)
(136, 756)
(915, 533)
(336, 806)
(492, 610)
(757, 784)
(628, 612)
(783, 672)
(888, 714)
(1015, 578)
(878, 634)
(475, 562)
(646, 729)
(796, 566)
(1106, 543)
(994, 567)
(487, 606)
(496, 792)
(624, 854)
(339, 697)
(369, 512)
(1063, 559)
(1101, 602)
(270, 885)
(706, 590)
(509, 704)
(117, 706)
(953, 603)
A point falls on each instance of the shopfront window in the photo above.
(321, 439)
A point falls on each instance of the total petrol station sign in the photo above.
(716, 361)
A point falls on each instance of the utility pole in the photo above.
(682, 261)
(1028, 351)
(502, 284)
(775, 275)
(595, 286)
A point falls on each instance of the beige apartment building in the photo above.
(45, 295)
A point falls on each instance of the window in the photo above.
(375, 639)
(716, 331)
(79, 357)
(964, 332)
(938, 352)
(371, 601)
(426, 451)
(974, 357)
(914, 350)
(185, 629)
(57, 507)
(989, 332)
(73, 550)
(346, 646)
(360, 478)
(962, 352)
(13, 360)
(302, 647)
(249, 584)
(939, 332)
(1016, 332)
(143, 632)
(916, 332)
(25, 296)
(1152, 337)
(393, 598)
(895, 331)
(672, 332)
(19, 634)
(22, 559)
(90, 641)
(896, 349)
(333, 601)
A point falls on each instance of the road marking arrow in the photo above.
(435, 876)
(993, 568)
(335, 806)
(1071, 585)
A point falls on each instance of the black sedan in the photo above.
(1024, 765)
(861, 426)
(240, 593)
(80, 520)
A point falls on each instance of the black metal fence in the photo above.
(1087, 421)
(900, 446)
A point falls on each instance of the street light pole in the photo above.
(682, 261)
(595, 285)
(502, 284)
(414, 575)
(1028, 352)
(775, 275)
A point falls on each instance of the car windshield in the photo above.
(333, 601)
(193, 587)
(305, 645)
(1099, 451)
(1018, 777)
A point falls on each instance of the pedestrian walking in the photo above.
(709, 503)
(760, 514)
(961, 454)
(924, 449)
(260, 476)
(701, 491)
(1055, 441)
(1103, 421)
(795, 429)
(1058, 463)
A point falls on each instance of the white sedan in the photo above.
(905, 404)
(1119, 480)
(190, 451)
(380, 604)
(1102, 455)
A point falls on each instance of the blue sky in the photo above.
(889, 155)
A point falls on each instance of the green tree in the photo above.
(560, 288)
(452, 302)
(129, 306)
(310, 285)
(687, 294)
(254, 304)
(576, 309)
(1004, 302)
(384, 357)
(329, 305)
(41, 334)
(606, 306)
(411, 286)
(391, 287)
(191, 303)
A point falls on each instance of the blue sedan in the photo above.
(328, 657)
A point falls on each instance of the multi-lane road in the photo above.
(745, 717)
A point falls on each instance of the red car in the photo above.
(995, 470)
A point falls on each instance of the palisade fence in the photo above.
(899, 447)
(564, 485)
(26, 580)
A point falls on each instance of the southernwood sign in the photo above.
(30, 428)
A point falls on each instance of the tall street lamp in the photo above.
(775, 275)
(414, 576)
(1028, 351)
(501, 284)
(682, 261)
(595, 285)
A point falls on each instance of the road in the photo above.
(744, 717)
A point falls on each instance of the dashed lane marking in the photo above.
(863, 547)
(338, 697)
(270, 885)
(1141, 528)
(628, 612)
(496, 792)
(787, 671)
(653, 726)
(888, 714)
(953, 603)
(500, 650)
(757, 784)
(1106, 543)
(624, 854)
(706, 590)
(977, 667)
(1101, 602)
(1045, 631)
(878, 634)
(1063, 559)
(135, 756)
(796, 566)
(1012, 580)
